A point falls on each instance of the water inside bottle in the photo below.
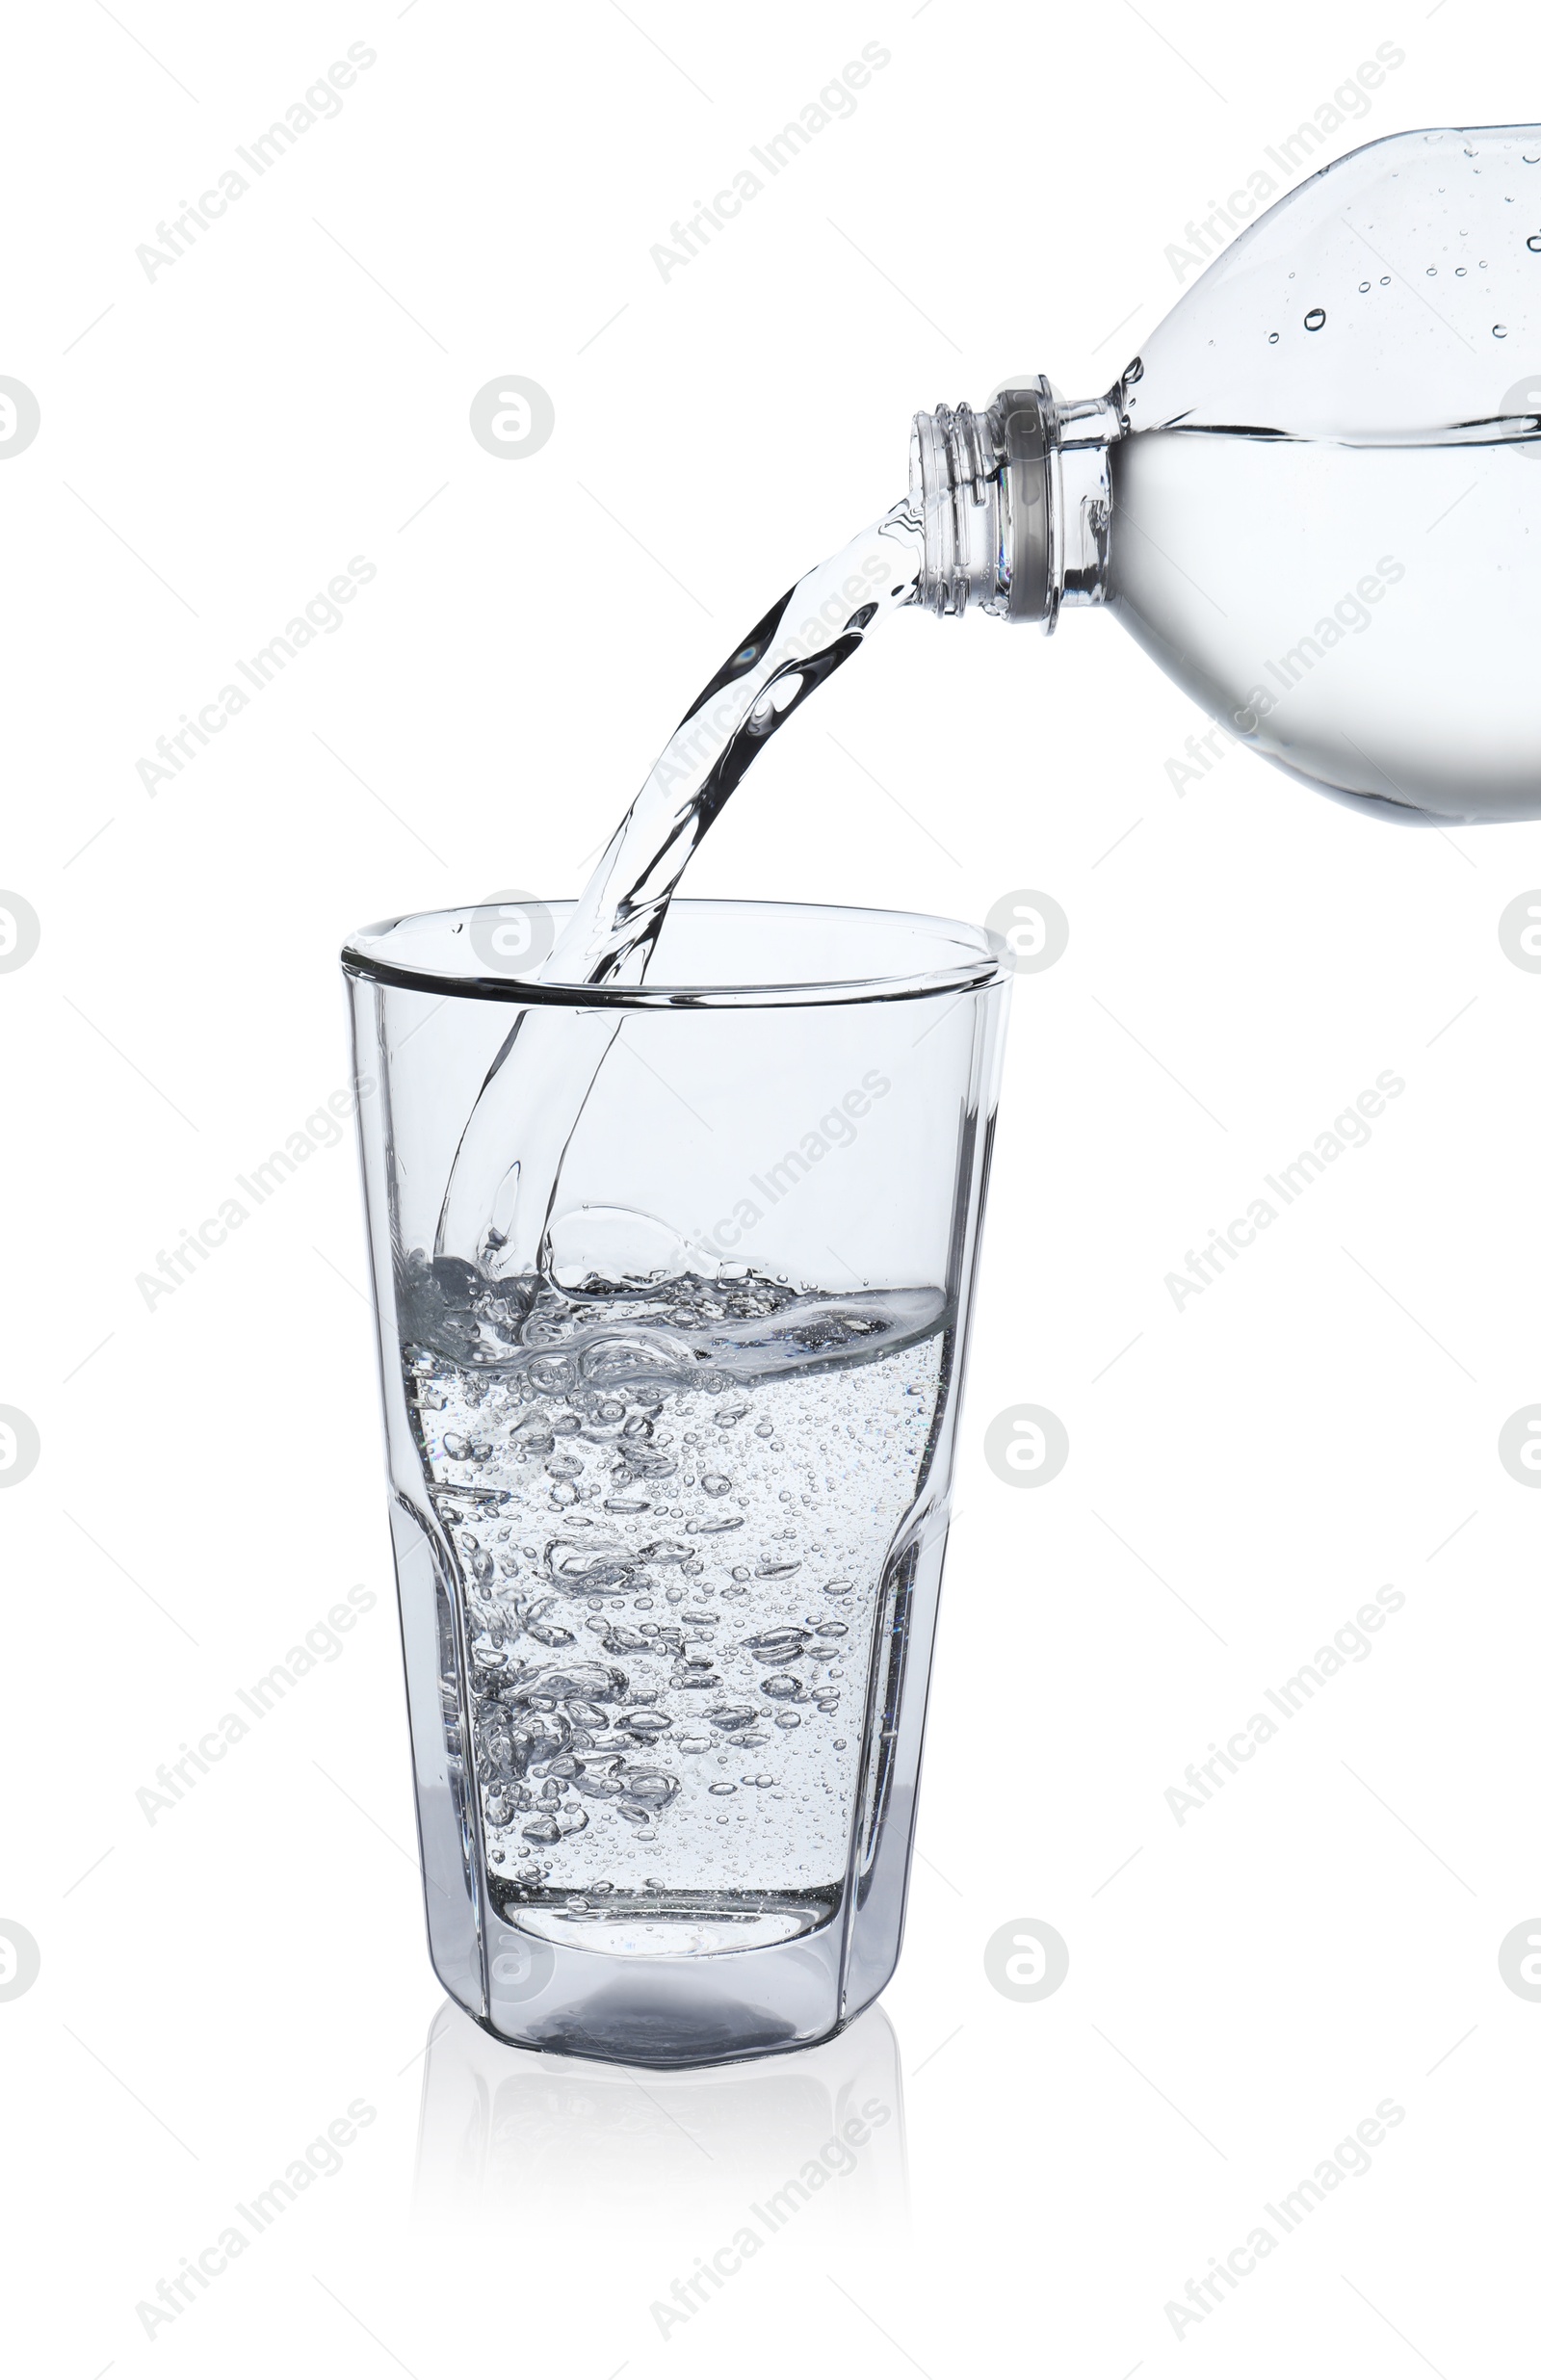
(1381, 646)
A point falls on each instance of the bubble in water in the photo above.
(789, 1718)
(1273, 338)
(776, 1646)
(1500, 331)
(1460, 272)
(1533, 243)
(714, 1482)
(1316, 318)
(765, 1429)
(1431, 270)
(1363, 286)
(731, 1716)
(721, 1787)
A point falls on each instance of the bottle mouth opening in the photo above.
(1014, 502)
(981, 484)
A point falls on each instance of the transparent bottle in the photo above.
(1315, 497)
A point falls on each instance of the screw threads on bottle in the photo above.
(1015, 503)
(955, 490)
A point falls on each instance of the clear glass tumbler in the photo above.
(670, 1499)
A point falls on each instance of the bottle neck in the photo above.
(1015, 503)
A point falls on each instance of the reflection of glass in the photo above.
(563, 2146)
(670, 1502)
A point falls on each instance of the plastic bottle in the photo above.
(1315, 497)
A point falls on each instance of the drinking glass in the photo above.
(669, 1490)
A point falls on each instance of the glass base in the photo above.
(676, 1925)
(653, 1996)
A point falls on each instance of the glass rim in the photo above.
(986, 960)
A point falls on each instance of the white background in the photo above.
(217, 442)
